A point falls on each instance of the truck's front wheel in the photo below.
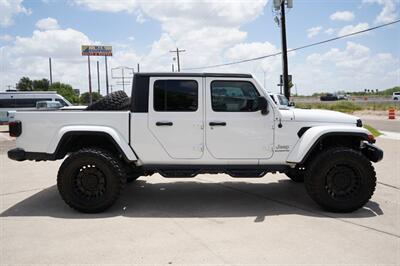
(91, 180)
(340, 179)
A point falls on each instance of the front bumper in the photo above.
(372, 152)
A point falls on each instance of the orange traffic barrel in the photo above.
(392, 113)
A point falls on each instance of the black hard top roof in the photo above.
(187, 74)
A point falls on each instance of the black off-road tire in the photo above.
(340, 179)
(91, 180)
(117, 100)
(296, 175)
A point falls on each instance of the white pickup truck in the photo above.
(183, 124)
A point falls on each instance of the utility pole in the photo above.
(98, 77)
(279, 5)
(138, 68)
(173, 70)
(51, 74)
(177, 51)
(105, 57)
(285, 73)
(123, 80)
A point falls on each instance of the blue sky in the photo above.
(212, 32)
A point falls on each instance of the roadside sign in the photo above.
(94, 50)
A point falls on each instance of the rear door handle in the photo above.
(164, 123)
(222, 124)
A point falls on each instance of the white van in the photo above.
(25, 100)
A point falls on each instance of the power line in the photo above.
(294, 49)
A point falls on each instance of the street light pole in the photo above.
(90, 81)
(98, 78)
(105, 58)
(51, 74)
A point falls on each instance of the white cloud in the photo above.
(205, 43)
(342, 16)
(10, 8)
(140, 18)
(6, 38)
(314, 31)
(204, 28)
(211, 33)
(47, 24)
(28, 56)
(353, 68)
(388, 12)
(353, 28)
(109, 6)
(329, 31)
(169, 13)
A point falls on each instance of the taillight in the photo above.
(15, 128)
(371, 138)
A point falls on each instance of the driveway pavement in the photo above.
(210, 219)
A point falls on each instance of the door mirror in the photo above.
(291, 104)
(263, 105)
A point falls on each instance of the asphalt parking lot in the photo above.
(210, 219)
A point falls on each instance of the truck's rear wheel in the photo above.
(91, 180)
(340, 179)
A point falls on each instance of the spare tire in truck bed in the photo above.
(117, 100)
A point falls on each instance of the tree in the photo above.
(85, 99)
(25, 84)
(41, 85)
(65, 90)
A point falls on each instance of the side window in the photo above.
(7, 103)
(63, 103)
(234, 96)
(28, 102)
(175, 95)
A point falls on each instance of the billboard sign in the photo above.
(95, 50)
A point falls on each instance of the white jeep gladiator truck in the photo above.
(184, 124)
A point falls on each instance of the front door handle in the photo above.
(222, 124)
(163, 123)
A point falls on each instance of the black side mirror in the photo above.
(263, 105)
(292, 104)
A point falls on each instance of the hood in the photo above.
(324, 116)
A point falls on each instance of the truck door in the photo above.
(235, 128)
(176, 115)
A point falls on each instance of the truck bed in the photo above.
(42, 130)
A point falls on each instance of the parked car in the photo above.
(396, 96)
(24, 100)
(183, 124)
(329, 97)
